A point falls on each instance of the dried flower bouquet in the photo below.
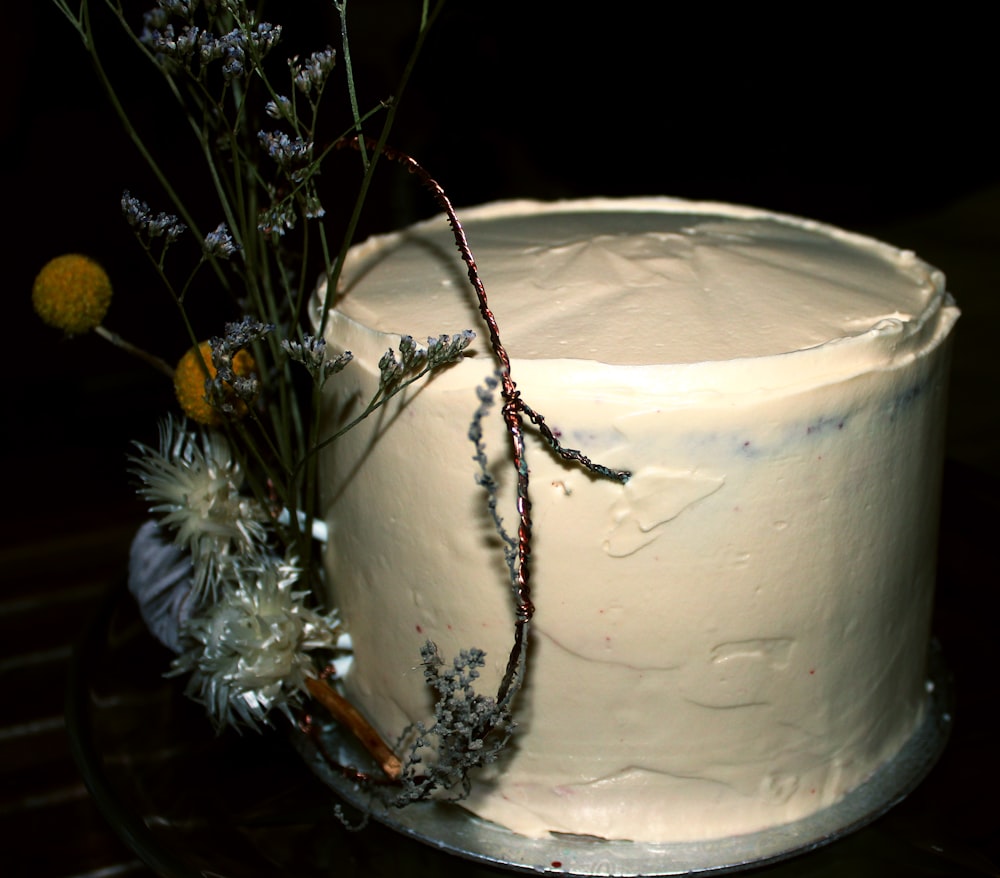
(227, 572)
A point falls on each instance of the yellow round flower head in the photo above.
(72, 293)
(189, 384)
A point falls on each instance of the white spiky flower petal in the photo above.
(249, 653)
(194, 485)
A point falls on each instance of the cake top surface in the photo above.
(641, 281)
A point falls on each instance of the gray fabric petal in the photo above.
(159, 577)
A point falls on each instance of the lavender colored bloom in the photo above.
(220, 243)
(140, 217)
(281, 108)
(286, 152)
(313, 73)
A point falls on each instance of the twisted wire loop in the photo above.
(514, 411)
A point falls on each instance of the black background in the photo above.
(883, 122)
(854, 117)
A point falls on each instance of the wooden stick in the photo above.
(348, 716)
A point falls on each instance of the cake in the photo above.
(735, 638)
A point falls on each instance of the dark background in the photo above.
(881, 123)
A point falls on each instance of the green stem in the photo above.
(269, 442)
(145, 356)
(341, 7)
(177, 298)
(334, 274)
(86, 32)
(63, 7)
(380, 398)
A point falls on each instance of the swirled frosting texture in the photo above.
(736, 637)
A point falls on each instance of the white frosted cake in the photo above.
(735, 638)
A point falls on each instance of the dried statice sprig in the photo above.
(290, 154)
(146, 224)
(311, 75)
(195, 487)
(193, 48)
(398, 373)
(447, 349)
(172, 50)
(220, 243)
(469, 729)
(311, 353)
(238, 336)
(277, 219)
(165, 9)
(414, 361)
(280, 108)
(282, 215)
(293, 157)
(392, 370)
(226, 389)
(485, 477)
(251, 652)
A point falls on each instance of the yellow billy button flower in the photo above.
(72, 293)
(189, 384)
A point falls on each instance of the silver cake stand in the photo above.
(450, 828)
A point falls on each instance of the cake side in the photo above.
(731, 640)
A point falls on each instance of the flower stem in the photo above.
(145, 356)
(341, 7)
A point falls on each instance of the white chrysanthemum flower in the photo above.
(195, 489)
(249, 652)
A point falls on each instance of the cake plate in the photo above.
(450, 828)
(192, 804)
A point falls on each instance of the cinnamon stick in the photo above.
(350, 718)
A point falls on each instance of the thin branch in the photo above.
(154, 361)
(347, 715)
